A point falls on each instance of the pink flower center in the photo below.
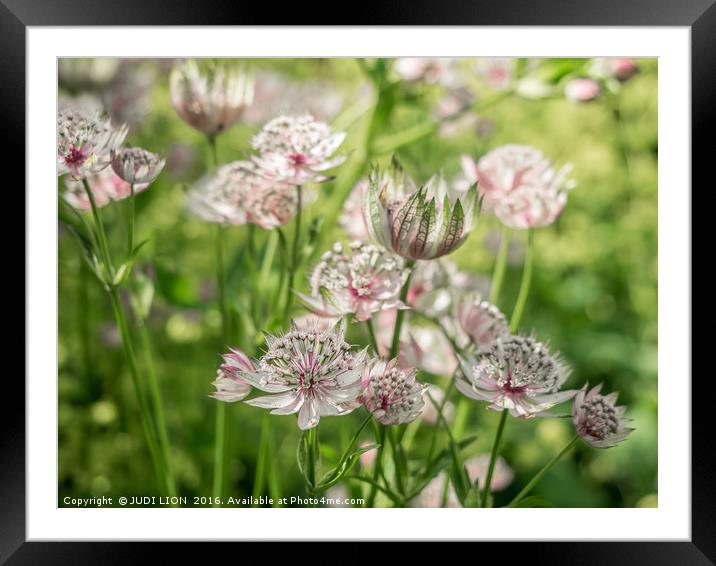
(76, 156)
(298, 159)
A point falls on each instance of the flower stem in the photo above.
(220, 423)
(293, 265)
(542, 472)
(158, 407)
(99, 225)
(213, 152)
(371, 333)
(130, 222)
(400, 314)
(524, 286)
(378, 465)
(261, 459)
(144, 411)
(487, 488)
(498, 275)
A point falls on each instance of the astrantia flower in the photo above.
(352, 221)
(613, 68)
(582, 90)
(85, 141)
(210, 97)
(516, 373)
(481, 321)
(423, 223)
(106, 187)
(361, 280)
(598, 419)
(520, 185)
(391, 393)
(136, 165)
(426, 348)
(311, 372)
(497, 72)
(297, 149)
(230, 386)
(236, 194)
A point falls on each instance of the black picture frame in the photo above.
(698, 15)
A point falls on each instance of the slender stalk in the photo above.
(261, 459)
(101, 236)
(293, 265)
(158, 407)
(538, 476)
(371, 333)
(220, 423)
(524, 286)
(498, 275)
(400, 314)
(377, 466)
(130, 221)
(486, 489)
(144, 411)
(213, 152)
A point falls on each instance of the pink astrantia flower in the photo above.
(497, 72)
(516, 373)
(297, 149)
(391, 393)
(136, 165)
(621, 69)
(237, 194)
(211, 97)
(428, 349)
(106, 187)
(582, 90)
(520, 185)
(423, 223)
(598, 419)
(230, 386)
(361, 280)
(481, 321)
(311, 372)
(85, 141)
(352, 221)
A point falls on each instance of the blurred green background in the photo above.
(594, 292)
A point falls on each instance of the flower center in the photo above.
(297, 159)
(76, 156)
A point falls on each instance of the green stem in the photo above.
(486, 489)
(261, 458)
(144, 412)
(377, 466)
(213, 152)
(220, 423)
(130, 228)
(525, 285)
(542, 472)
(101, 236)
(293, 265)
(498, 275)
(400, 314)
(373, 340)
(158, 406)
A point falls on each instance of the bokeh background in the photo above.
(594, 292)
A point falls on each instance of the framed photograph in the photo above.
(400, 281)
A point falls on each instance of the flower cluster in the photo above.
(417, 223)
(137, 166)
(482, 322)
(237, 194)
(520, 185)
(297, 149)
(210, 97)
(391, 393)
(598, 419)
(516, 373)
(230, 386)
(361, 280)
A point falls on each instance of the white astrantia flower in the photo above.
(297, 149)
(136, 165)
(516, 373)
(481, 321)
(210, 96)
(230, 386)
(598, 419)
(360, 280)
(106, 187)
(391, 393)
(312, 372)
(423, 223)
(236, 194)
(85, 140)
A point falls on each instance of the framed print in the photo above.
(398, 281)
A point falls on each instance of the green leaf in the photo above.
(89, 255)
(343, 467)
(533, 501)
(441, 462)
(302, 458)
(125, 270)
